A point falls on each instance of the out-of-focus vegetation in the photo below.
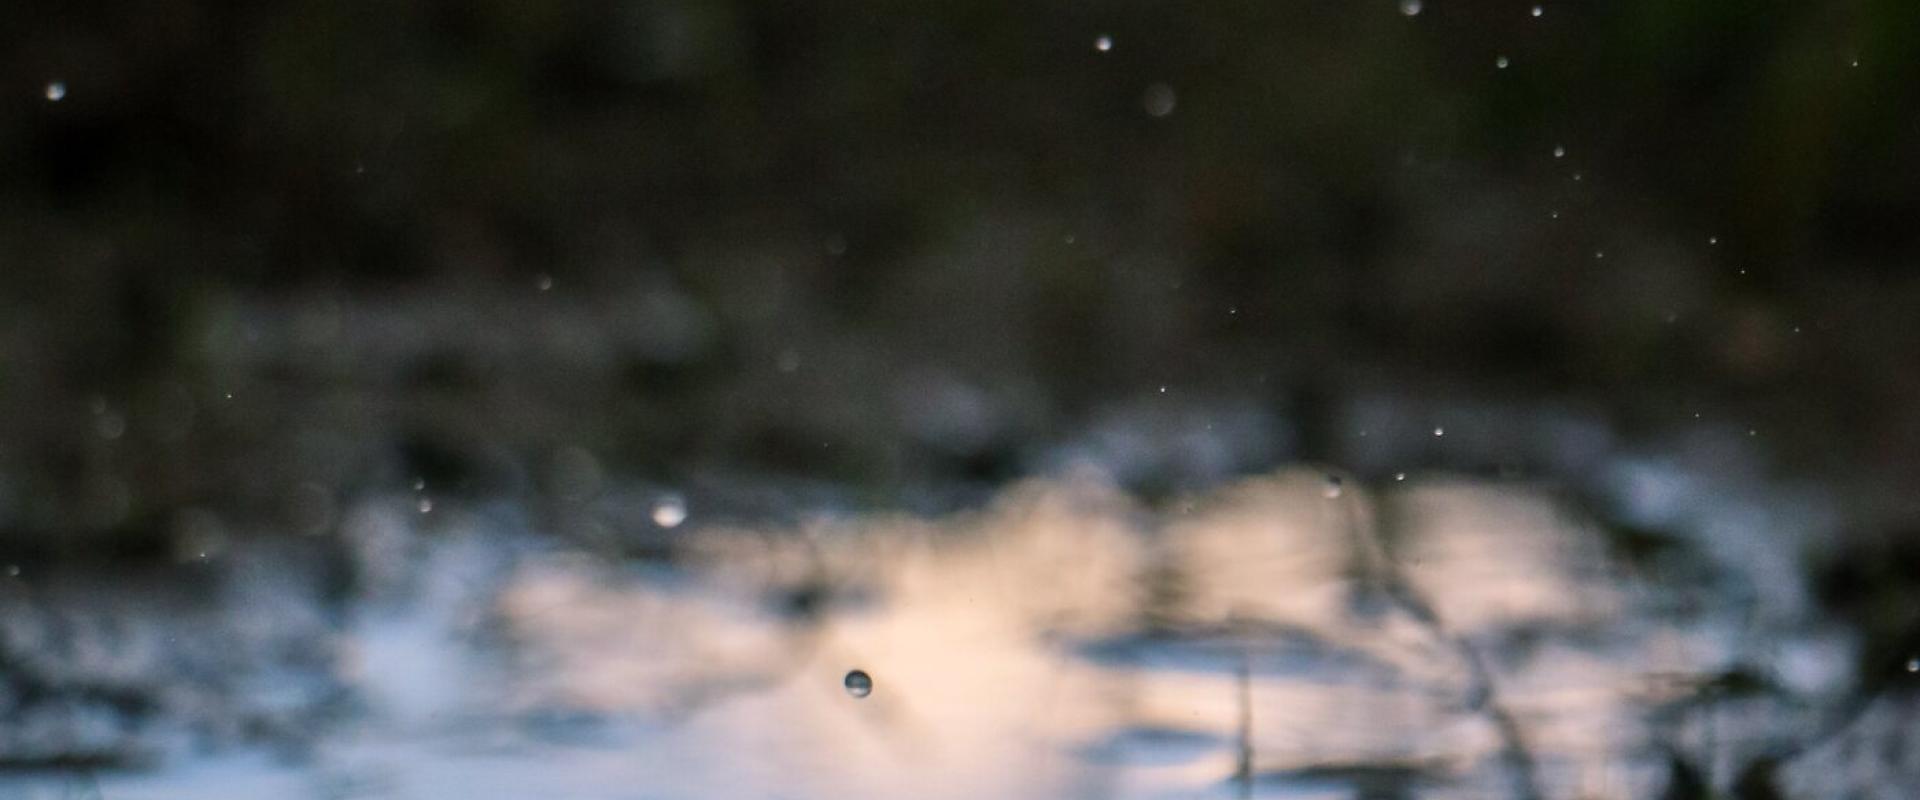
(258, 257)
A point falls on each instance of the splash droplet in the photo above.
(1410, 7)
(1537, 11)
(1913, 664)
(56, 91)
(669, 511)
(1500, 62)
(858, 683)
(1439, 431)
(1559, 151)
(1399, 476)
(1159, 100)
(1103, 44)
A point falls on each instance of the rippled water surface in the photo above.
(1295, 635)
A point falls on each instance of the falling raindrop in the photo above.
(858, 683)
(1333, 487)
(56, 91)
(1399, 476)
(425, 505)
(1439, 431)
(1713, 240)
(1537, 11)
(545, 282)
(1913, 664)
(1559, 151)
(1163, 390)
(13, 570)
(1500, 62)
(1410, 7)
(669, 511)
(1103, 44)
(419, 484)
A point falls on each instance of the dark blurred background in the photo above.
(255, 258)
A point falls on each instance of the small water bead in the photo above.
(56, 91)
(425, 505)
(1103, 44)
(544, 282)
(1913, 664)
(1500, 62)
(1537, 11)
(669, 512)
(858, 683)
(1713, 240)
(1159, 100)
(1559, 151)
(1399, 476)
(1439, 431)
(1333, 487)
(13, 570)
(1410, 8)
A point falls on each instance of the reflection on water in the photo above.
(1297, 635)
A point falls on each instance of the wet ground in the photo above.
(1297, 634)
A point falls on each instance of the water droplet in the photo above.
(1753, 432)
(1599, 254)
(1713, 240)
(13, 570)
(1333, 487)
(1577, 176)
(1399, 476)
(1410, 7)
(1559, 151)
(1553, 215)
(1537, 11)
(1439, 431)
(788, 361)
(1158, 100)
(545, 282)
(56, 91)
(419, 484)
(1103, 44)
(1500, 62)
(1913, 664)
(858, 683)
(1163, 390)
(425, 505)
(669, 511)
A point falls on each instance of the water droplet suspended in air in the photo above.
(1913, 664)
(1333, 487)
(1537, 11)
(1399, 476)
(1713, 240)
(1439, 431)
(1500, 62)
(1410, 7)
(545, 282)
(13, 570)
(56, 91)
(1158, 100)
(858, 683)
(1103, 44)
(1559, 151)
(425, 505)
(669, 511)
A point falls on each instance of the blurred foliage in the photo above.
(766, 224)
